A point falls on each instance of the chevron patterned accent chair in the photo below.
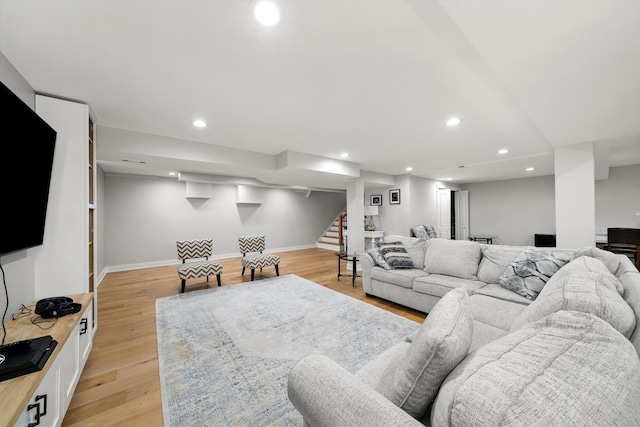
(251, 248)
(197, 250)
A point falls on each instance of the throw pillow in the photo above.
(420, 231)
(440, 344)
(583, 285)
(395, 254)
(431, 231)
(378, 258)
(529, 271)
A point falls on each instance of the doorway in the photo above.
(453, 213)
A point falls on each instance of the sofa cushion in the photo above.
(610, 260)
(495, 312)
(377, 371)
(395, 254)
(529, 271)
(438, 284)
(583, 285)
(378, 258)
(498, 292)
(496, 259)
(457, 258)
(568, 368)
(442, 341)
(401, 277)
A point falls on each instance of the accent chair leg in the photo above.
(184, 281)
(218, 277)
(253, 273)
(277, 270)
(242, 271)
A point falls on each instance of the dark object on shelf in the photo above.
(26, 356)
(624, 241)
(544, 240)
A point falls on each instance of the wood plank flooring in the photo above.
(120, 384)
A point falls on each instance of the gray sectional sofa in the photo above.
(561, 352)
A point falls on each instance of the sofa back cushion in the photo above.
(583, 285)
(457, 258)
(495, 259)
(441, 342)
(568, 368)
(529, 272)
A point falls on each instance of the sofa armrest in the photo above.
(328, 395)
(367, 263)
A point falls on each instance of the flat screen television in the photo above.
(26, 162)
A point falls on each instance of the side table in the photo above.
(353, 258)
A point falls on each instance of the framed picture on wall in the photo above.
(394, 197)
(376, 200)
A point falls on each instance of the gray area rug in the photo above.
(225, 353)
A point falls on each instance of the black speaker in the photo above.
(56, 307)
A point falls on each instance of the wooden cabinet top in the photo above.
(16, 392)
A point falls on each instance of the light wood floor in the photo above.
(120, 384)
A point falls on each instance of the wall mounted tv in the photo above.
(28, 145)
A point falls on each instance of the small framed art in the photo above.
(376, 200)
(394, 197)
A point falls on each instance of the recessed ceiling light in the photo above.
(449, 179)
(344, 155)
(199, 123)
(266, 12)
(453, 121)
(409, 169)
(503, 151)
(530, 169)
(172, 173)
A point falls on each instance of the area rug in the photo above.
(225, 352)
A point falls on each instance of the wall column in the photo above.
(575, 196)
(355, 216)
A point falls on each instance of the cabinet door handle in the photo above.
(44, 403)
(83, 322)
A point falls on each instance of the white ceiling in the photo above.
(376, 78)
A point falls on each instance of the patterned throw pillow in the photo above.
(378, 258)
(420, 231)
(529, 271)
(395, 254)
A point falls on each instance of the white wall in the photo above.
(143, 218)
(417, 204)
(514, 210)
(618, 199)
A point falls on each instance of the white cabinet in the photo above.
(52, 388)
(44, 406)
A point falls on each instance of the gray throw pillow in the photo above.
(395, 254)
(529, 271)
(378, 258)
(440, 344)
(420, 231)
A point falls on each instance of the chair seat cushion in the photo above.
(259, 261)
(190, 270)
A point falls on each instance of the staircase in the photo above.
(331, 237)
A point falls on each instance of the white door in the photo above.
(461, 203)
(444, 213)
